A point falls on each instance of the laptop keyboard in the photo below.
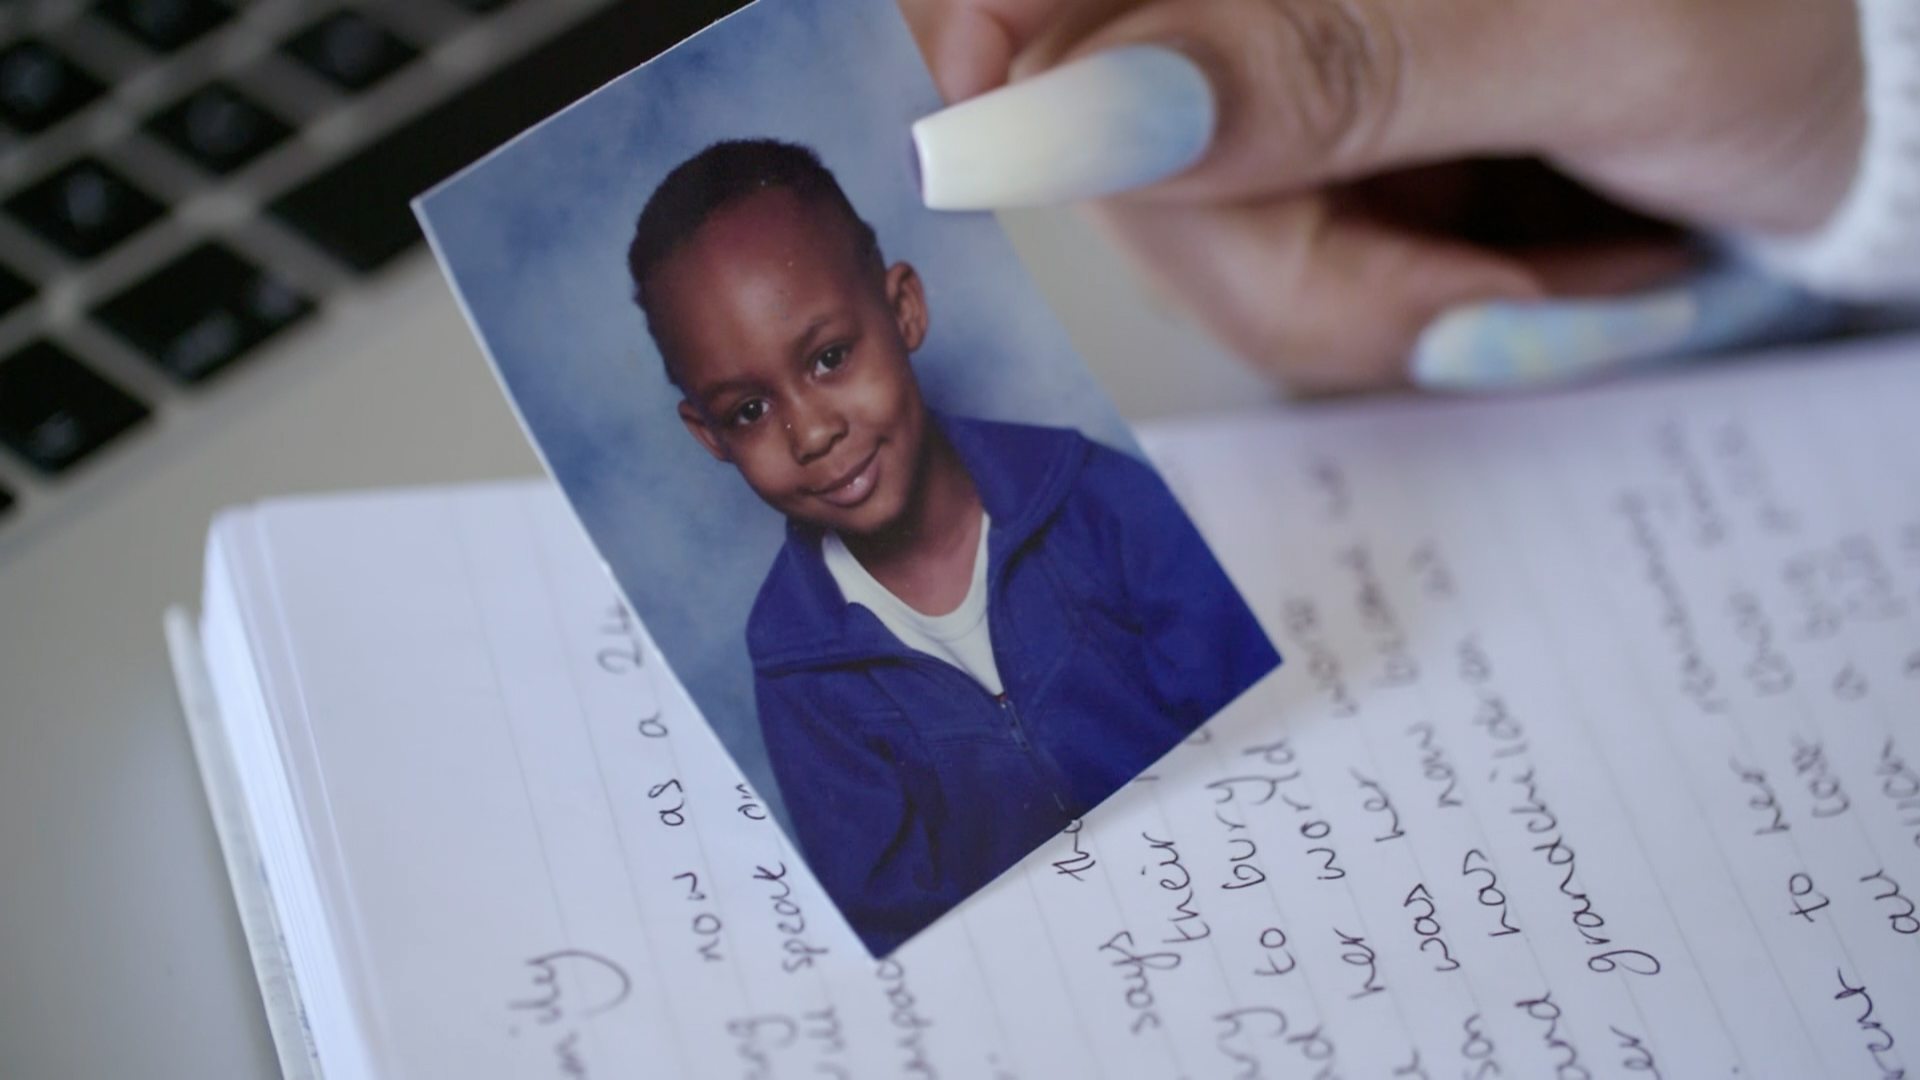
(55, 411)
(182, 181)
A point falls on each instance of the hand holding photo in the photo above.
(919, 582)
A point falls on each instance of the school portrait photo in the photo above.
(844, 464)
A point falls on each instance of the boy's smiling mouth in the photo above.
(854, 486)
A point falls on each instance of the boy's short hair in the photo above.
(719, 176)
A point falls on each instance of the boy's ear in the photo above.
(908, 299)
(701, 432)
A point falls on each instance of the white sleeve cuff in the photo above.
(1870, 249)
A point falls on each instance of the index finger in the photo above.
(970, 44)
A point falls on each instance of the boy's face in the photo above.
(792, 350)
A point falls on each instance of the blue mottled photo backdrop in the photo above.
(535, 239)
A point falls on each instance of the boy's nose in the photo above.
(813, 429)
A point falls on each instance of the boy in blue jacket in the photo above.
(975, 631)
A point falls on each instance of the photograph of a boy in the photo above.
(975, 631)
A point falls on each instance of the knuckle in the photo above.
(1301, 350)
(1333, 68)
(1312, 351)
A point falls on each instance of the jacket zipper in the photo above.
(1019, 730)
(1011, 715)
(996, 627)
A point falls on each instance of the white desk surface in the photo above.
(120, 951)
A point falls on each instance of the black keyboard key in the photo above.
(164, 25)
(6, 502)
(349, 50)
(482, 7)
(219, 127)
(85, 208)
(203, 312)
(39, 87)
(14, 290)
(358, 210)
(53, 412)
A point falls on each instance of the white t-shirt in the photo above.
(959, 637)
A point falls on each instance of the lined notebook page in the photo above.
(1595, 753)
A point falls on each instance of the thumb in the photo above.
(970, 45)
(1310, 92)
(1302, 92)
(1330, 301)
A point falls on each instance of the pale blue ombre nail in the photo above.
(1509, 345)
(1113, 121)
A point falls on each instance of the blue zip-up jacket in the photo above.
(1115, 632)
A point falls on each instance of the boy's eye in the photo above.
(830, 359)
(750, 412)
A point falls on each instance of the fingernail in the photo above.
(1116, 120)
(1522, 344)
(1512, 345)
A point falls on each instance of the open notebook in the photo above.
(1599, 754)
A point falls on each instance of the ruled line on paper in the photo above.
(1484, 819)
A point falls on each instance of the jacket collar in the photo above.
(1023, 474)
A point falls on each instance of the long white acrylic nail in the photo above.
(1116, 120)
